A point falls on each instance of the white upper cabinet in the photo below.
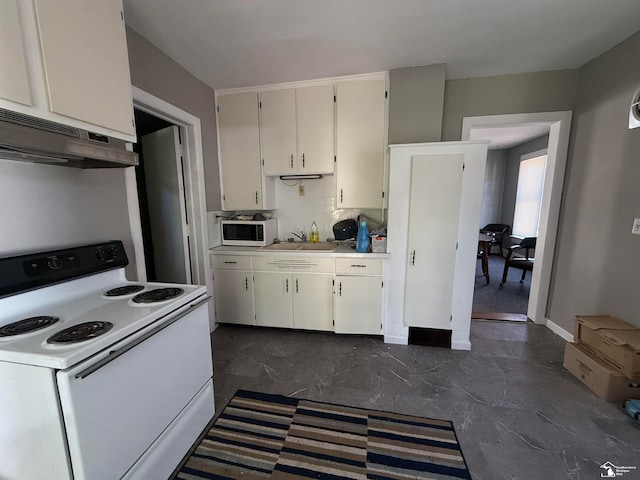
(298, 131)
(66, 61)
(278, 109)
(360, 117)
(239, 143)
(14, 76)
(84, 50)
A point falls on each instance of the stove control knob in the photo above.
(100, 254)
(54, 263)
(113, 252)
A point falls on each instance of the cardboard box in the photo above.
(612, 340)
(602, 379)
(378, 244)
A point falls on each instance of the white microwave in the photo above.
(248, 233)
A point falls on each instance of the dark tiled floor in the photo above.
(518, 413)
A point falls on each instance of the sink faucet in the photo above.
(301, 235)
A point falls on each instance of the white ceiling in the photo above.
(235, 43)
(507, 137)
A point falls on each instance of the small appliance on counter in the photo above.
(248, 233)
(345, 229)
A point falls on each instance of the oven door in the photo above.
(116, 404)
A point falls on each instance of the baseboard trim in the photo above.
(558, 330)
(461, 345)
(396, 340)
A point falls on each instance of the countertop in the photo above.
(339, 251)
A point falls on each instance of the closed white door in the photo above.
(167, 214)
(273, 294)
(278, 117)
(358, 305)
(234, 296)
(241, 177)
(434, 211)
(312, 301)
(316, 129)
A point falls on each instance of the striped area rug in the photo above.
(260, 436)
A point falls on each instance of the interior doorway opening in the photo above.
(557, 124)
(163, 214)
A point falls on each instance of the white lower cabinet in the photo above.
(306, 293)
(273, 293)
(293, 300)
(357, 306)
(312, 295)
(234, 296)
(233, 289)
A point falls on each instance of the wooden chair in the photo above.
(498, 231)
(524, 263)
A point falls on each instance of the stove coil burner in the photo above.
(80, 332)
(27, 325)
(158, 295)
(126, 290)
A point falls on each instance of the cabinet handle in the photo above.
(286, 285)
(296, 285)
(256, 197)
(355, 265)
(246, 284)
(303, 160)
(413, 257)
(291, 161)
(229, 262)
(340, 289)
(340, 195)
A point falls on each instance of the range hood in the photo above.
(30, 139)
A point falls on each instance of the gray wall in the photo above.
(511, 175)
(48, 207)
(155, 73)
(416, 97)
(523, 93)
(493, 187)
(597, 264)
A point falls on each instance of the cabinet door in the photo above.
(316, 129)
(360, 114)
(436, 188)
(273, 294)
(14, 77)
(239, 151)
(86, 62)
(278, 111)
(358, 305)
(312, 301)
(233, 296)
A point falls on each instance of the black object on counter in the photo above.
(345, 229)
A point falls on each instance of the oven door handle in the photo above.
(121, 351)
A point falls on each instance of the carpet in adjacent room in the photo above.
(261, 435)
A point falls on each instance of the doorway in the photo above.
(512, 193)
(191, 138)
(558, 124)
(163, 214)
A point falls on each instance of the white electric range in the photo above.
(100, 378)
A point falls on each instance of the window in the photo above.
(529, 194)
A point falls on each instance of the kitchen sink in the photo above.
(312, 247)
(283, 246)
(320, 246)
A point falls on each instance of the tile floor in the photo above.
(518, 413)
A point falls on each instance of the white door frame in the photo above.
(560, 128)
(194, 188)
